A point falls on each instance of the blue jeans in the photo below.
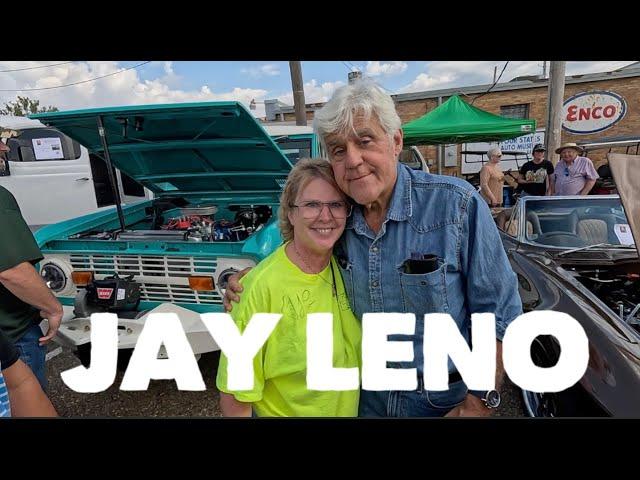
(33, 354)
(415, 403)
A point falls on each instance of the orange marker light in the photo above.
(82, 279)
(201, 284)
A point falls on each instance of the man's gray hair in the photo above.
(361, 97)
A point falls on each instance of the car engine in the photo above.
(177, 221)
(618, 288)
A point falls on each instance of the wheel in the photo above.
(84, 355)
(542, 404)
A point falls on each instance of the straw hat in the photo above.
(573, 145)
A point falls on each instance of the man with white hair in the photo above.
(415, 243)
(574, 174)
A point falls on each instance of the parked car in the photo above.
(577, 255)
(53, 177)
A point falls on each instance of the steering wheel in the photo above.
(561, 239)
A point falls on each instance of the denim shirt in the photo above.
(429, 214)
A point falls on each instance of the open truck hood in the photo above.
(187, 148)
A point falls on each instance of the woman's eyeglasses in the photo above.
(313, 209)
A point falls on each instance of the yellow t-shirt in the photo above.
(277, 285)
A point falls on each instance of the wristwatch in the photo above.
(490, 398)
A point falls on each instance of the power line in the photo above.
(75, 83)
(34, 68)
(353, 65)
(348, 67)
(494, 84)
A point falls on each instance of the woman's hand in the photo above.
(232, 293)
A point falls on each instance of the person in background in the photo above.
(4, 150)
(20, 392)
(536, 176)
(25, 298)
(492, 178)
(574, 174)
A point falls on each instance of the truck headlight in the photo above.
(56, 273)
(223, 278)
(54, 277)
(227, 267)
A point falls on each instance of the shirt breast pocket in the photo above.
(425, 292)
(347, 280)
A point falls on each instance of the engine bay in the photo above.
(617, 286)
(176, 220)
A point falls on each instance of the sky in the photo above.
(144, 82)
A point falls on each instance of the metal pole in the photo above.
(110, 171)
(298, 93)
(554, 109)
(440, 149)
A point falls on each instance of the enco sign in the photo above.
(591, 112)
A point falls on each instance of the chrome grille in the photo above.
(162, 278)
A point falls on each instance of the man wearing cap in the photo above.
(574, 175)
(536, 176)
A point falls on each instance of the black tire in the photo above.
(566, 403)
(84, 354)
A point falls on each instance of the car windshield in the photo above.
(571, 223)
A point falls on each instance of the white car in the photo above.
(53, 177)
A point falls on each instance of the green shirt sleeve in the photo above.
(17, 244)
(252, 301)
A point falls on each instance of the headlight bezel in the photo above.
(55, 274)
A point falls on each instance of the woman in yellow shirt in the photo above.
(299, 278)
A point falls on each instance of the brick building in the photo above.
(522, 97)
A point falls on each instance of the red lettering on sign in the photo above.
(571, 113)
(584, 114)
(595, 114)
(609, 111)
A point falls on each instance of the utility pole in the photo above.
(554, 109)
(440, 148)
(298, 93)
(544, 69)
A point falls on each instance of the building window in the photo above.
(515, 111)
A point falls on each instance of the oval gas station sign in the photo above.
(591, 112)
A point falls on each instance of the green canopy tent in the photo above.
(455, 121)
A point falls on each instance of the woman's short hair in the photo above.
(302, 173)
(361, 97)
(494, 151)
